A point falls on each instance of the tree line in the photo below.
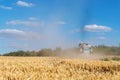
(42, 52)
(101, 49)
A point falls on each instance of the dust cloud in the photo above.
(82, 56)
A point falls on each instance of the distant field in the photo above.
(46, 68)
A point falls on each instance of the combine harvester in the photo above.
(85, 48)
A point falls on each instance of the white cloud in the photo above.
(25, 23)
(6, 7)
(97, 28)
(14, 33)
(33, 18)
(24, 4)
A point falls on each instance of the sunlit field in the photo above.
(44, 68)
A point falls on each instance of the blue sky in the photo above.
(36, 24)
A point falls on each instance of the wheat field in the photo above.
(46, 68)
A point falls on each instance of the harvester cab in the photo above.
(85, 48)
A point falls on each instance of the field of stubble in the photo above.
(44, 68)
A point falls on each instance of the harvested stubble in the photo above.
(43, 68)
